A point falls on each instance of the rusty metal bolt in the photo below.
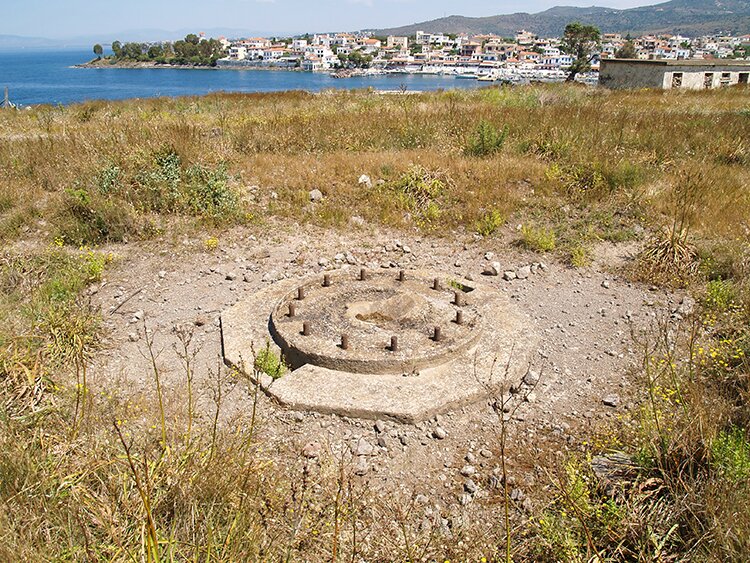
(401, 275)
(459, 317)
(394, 344)
(436, 284)
(459, 299)
(326, 280)
(362, 275)
(437, 336)
(306, 328)
(344, 341)
(300, 293)
(292, 309)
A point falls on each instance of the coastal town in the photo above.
(482, 57)
(520, 59)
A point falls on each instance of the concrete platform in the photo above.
(425, 379)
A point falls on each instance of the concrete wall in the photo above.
(656, 74)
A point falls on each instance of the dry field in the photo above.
(127, 227)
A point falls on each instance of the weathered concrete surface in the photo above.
(499, 358)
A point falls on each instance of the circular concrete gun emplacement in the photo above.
(401, 345)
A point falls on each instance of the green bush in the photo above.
(490, 222)
(486, 139)
(90, 218)
(538, 239)
(730, 452)
(269, 362)
(418, 190)
(720, 295)
(209, 194)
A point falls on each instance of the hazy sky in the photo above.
(69, 18)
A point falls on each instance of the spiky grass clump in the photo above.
(668, 258)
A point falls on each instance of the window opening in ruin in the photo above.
(676, 80)
(725, 76)
(743, 78)
(708, 79)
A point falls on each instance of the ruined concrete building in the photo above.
(673, 74)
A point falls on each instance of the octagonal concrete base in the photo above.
(499, 358)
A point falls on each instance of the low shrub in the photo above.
(490, 222)
(87, 218)
(419, 190)
(486, 139)
(538, 239)
(269, 362)
(730, 452)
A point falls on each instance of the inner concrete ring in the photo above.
(368, 314)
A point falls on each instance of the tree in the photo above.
(627, 51)
(98, 51)
(581, 41)
(116, 48)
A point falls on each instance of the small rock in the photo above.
(364, 448)
(493, 269)
(162, 274)
(470, 458)
(687, 305)
(470, 486)
(468, 470)
(357, 220)
(611, 401)
(247, 278)
(350, 259)
(322, 261)
(138, 315)
(530, 398)
(439, 433)
(361, 467)
(406, 249)
(517, 495)
(316, 195)
(523, 272)
(531, 377)
(134, 337)
(379, 426)
(311, 450)
(509, 275)
(231, 276)
(298, 417)
(489, 256)
(605, 284)
(364, 180)
(464, 499)
(485, 453)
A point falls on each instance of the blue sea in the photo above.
(49, 77)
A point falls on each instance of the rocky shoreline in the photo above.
(106, 63)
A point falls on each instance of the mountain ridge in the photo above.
(686, 17)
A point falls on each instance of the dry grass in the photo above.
(583, 164)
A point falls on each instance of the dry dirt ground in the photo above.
(584, 317)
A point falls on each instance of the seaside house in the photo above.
(400, 43)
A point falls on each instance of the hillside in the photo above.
(687, 17)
